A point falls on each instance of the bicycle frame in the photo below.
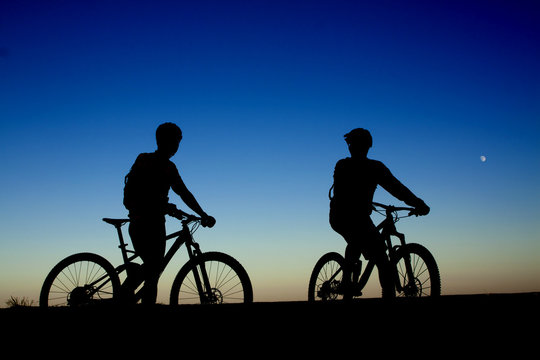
(184, 236)
(387, 228)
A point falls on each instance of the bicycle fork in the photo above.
(204, 289)
(409, 287)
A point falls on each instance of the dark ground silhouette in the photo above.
(464, 325)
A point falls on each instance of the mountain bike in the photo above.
(206, 278)
(414, 270)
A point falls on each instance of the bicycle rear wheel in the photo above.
(78, 280)
(325, 279)
(229, 282)
(426, 278)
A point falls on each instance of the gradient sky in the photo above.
(264, 92)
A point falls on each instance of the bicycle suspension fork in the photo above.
(203, 287)
(389, 229)
(408, 266)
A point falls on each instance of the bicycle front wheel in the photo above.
(325, 280)
(425, 280)
(228, 281)
(80, 279)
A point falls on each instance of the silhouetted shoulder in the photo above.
(377, 166)
(143, 158)
(343, 163)
(152, 162)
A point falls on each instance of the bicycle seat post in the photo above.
(122, 245)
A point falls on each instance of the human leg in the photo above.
(148, 238)
(351, 270)
(385, 276)
(352, 227)
(376, 251)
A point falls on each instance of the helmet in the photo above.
(359, 136)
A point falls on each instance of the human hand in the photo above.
(208, 221)
(421, 209)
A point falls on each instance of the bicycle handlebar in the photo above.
(391, 208)
(186, 218)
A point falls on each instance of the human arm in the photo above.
(391, 184)
(179, 187)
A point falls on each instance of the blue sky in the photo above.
(264, 91)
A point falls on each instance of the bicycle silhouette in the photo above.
(415, 272)
(206, 278)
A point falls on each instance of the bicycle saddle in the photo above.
(116, 222)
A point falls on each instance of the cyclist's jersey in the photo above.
(147, 185)
(355, 181)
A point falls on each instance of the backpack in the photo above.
(134, 185)
(130, 189)
(145, 188)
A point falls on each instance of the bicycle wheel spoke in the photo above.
(193, 286)
(226, 279)
(71, 277)
(225, 293)
(78, 272)
(64, 286)
(223, 278)
(422, 272)
(90, 275)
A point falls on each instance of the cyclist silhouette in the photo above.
(146, 197)
(355, 181)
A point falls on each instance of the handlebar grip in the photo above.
(418, 212)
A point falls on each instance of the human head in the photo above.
(359, 141)
(168, 136)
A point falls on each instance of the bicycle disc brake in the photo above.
(216, 297)
(413, 288)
